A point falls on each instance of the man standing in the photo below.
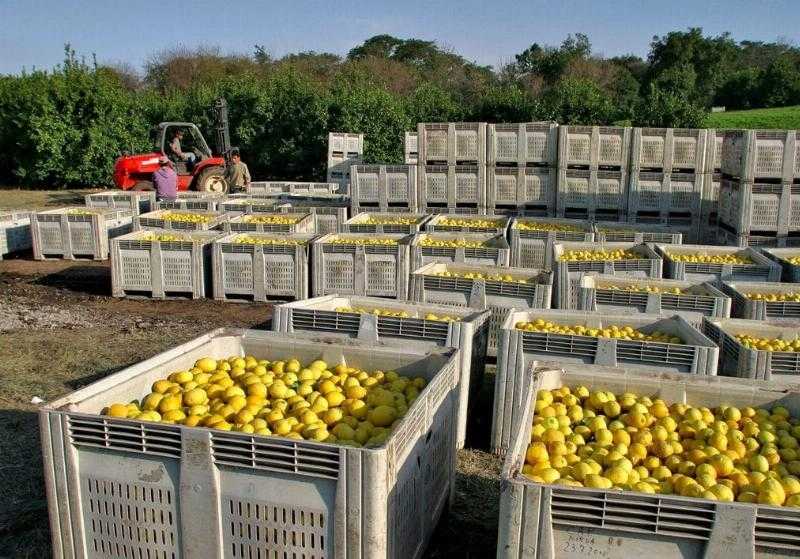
(165, 179)
(237, 174)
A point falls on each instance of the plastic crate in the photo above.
(709, 208)
(539, 521)
(60, 234)
(15, 232)
(247, 205)
(329, 212)
(748, 208)
(668, 149)
(137, 488)
(137, 201)
(344, 151)
(594, 147)
(410, 151)
(524, 190)
(495, 296)
(611, 294)
(191, 200)
(727, 237)
(153, 221)
(451, 186)
(357, 269)
(790, 272)
(358, 223)
(518, 349)
(750, 155)
(241, 224)
(624, 232)
(434, 224)
(739, 361)
(468, 334)
(522, 144)
(451, 143)
(534, 249)
(589, 194)
(495, 252)
(383, 188)
(666, 198)
(162, 269)
(276, 188)
(762, 269)
(567, 274)
(713, 158)
(261, 272)
(744, 307)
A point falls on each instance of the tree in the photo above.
(780, 83)
(669, 101)
(578, 101)
(381, 46)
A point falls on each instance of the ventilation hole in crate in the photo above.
(407, 524)
(610, 150)
(339, 275)
(237, 272)
(505, 188)
(177, 269)
(382, 277)
(537, 148)
(538, 188)
(279, 277)
(135, 267)
(50, 235)
(652, 154)
(467, 146)
(579, 148)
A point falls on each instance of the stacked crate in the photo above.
(278, 188)
(344, 151)
(451, 169)
(712, 176)
(521, 168)
(592, 172)
(72, 233)
(329, 210)
(760, 188)
(410, 151)
(666, 182)
(383, 188)
(15, 232)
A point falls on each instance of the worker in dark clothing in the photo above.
(165, 179)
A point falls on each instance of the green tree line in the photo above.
(66, 126)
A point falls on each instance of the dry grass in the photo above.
(18, 199)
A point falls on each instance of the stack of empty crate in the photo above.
(344, 151)
(666, 180)
(593, 172)
(760, 188)
(712, 176)
(521, 168)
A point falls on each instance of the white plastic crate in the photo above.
(612, 294)
(243, 223)
(410, 151)
(15, 232)
(752, 309)
(451, 143)
(344, 151)
(61, 234)
(191, 200)
(709, 208)
(152, 221)
(137, 488)
(252, 271)
(468, 334)
(471, 224)
(668, 149)
(790, 272)
(567, 274)
(739, 361)
(453, 187)
(276, 188)
(589, 194)
(162, 269)
(761, 154)
(539, 521)
(521, 190)
(594, 146)
(383, 188)
(517, 349)
(247, 205)
(534, 249)
(495, 251)
(713, 158)
(358, 223)
(747, 208)
(667, 198)
(137, 201)
(727, 237)
(495, 296)
(329, 212)
(762, 268)
(360, 269)
(522, 144)
(624, 232)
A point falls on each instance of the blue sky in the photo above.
(487, 31)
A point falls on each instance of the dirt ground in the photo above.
(60, 329)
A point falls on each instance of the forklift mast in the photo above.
(221, 130)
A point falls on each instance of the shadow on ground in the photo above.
(80, 278)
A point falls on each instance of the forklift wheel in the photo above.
(212, 179)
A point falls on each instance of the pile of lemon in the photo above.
(360, 241)
(644, 289)
(793, 260)
(709, 258)
(506, 278)
(317, 402)
(768, 344)
(427, 241)
(83, 211)
(539, 226)
(388, 220)
(250, 240)
(791, 297)
(273, 219)
(472, 222)
(597, 439)
(186, 217)
(600, 255)
(165, 237)
(395, 314)
(609, 331)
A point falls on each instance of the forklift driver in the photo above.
(175, 148)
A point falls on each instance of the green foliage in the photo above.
(786, 118)
(578, 101)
